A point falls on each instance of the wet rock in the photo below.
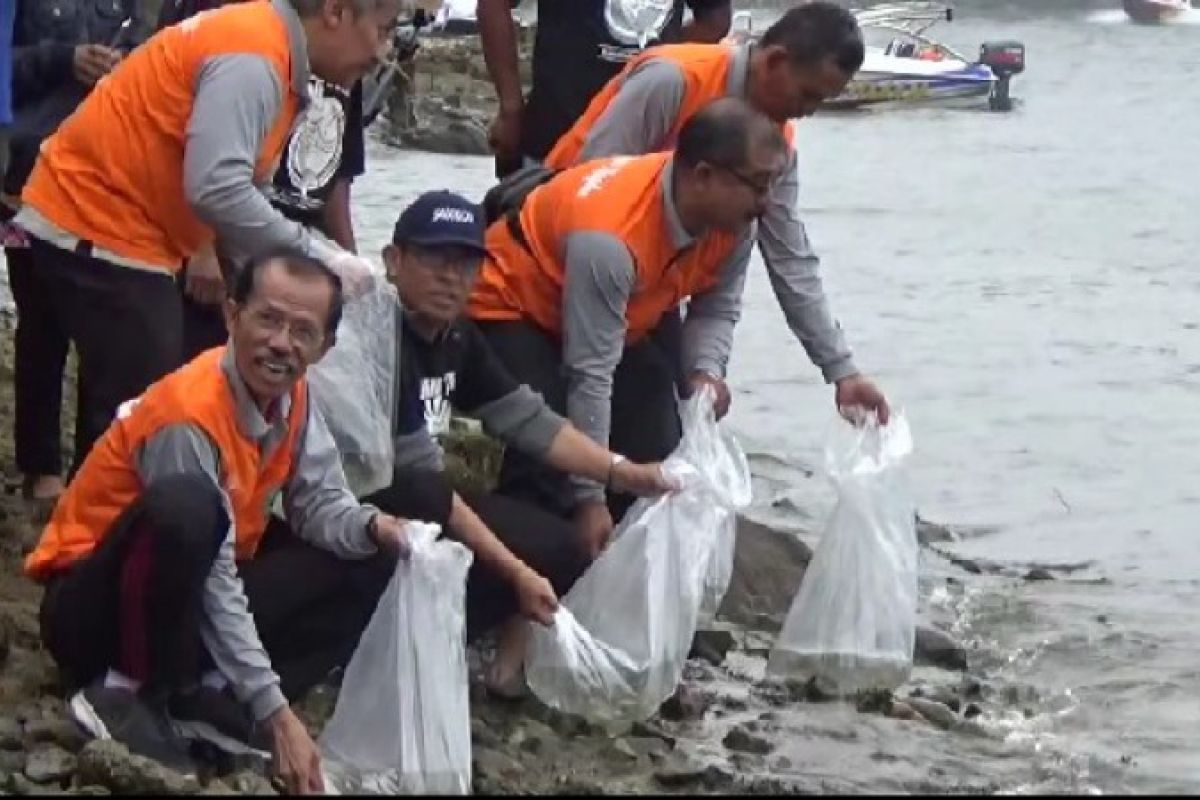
(741, 740)
(972, 711)
(901, 710)
(1039, 574)
(49, 764)
(647, 730)
(712, 645)
(939, 649)
(935, 712)
(622, 747)
(489, 762)
(11, 735)
(93, 791)
(12, 761)
(652, 748)
(61, 732)
(681, 777)
(110, 764)
(685, 704)
(768, 566)
(250, 783)
(932, 533)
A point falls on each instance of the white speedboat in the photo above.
(903, 65)
(1155, 12)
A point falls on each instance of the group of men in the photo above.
(179, 190)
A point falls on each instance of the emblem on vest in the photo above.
(126, 409)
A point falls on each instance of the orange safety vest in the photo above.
(196, 394)
(621, 196)
(112, 173)
(705, 70)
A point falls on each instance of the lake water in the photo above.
(1024, 285)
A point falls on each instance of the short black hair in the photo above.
(817, 31)
(295, 263)
(723, 133)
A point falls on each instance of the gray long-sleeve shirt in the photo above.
(318, 506)
(639, 120)
(599, 280)
(237, 98)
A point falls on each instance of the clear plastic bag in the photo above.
(402, 722)
(853, 622)
(354, 387)
(623, 632)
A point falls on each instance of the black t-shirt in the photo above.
(326, 145)
(580, 46)
(456, 371)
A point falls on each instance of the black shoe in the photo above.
(120, 715)
(216, 717)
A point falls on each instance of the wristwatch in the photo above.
(617, 458)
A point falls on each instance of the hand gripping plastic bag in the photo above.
(622, 634)
(853, 622)
(402, 722)
(354, 388)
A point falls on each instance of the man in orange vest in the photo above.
(803, 59)
(163, 157)
(170, 588)
(576, 284)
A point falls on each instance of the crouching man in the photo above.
(525, 556)
(174, 601)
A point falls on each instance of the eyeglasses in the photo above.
(754, 183)
(301, 334)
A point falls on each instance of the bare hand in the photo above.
(390, 534)
(536, 596)
(92, 62)
(295, 758)
(856, 395)
(504, 135)
(202, 280)
(595, 526)
(643, 480)
(357, 274)
(721, 397)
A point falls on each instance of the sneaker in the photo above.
(120, 715)
(215, 716)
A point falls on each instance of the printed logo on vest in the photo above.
(636, 22)
(597, 178)
(126, 409)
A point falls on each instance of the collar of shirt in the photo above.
(679, 235)
(739, 72)
(299, 47)
(251, 421)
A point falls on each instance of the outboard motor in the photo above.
(1005, 60)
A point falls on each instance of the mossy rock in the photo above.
(472, 457)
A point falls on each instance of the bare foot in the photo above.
(506, 674)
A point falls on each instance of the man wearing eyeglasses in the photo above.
(578, 280)
(809, 55)
(175, 602)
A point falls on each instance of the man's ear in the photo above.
(231, 311)
(391, 260)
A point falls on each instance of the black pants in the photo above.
(645, 417)
(203, 325)
(124, 323)
(133, 604)
(40, 360)
(546, 543)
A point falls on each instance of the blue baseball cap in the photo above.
(441, 218)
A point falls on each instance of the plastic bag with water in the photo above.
(354, 388)
(622, 634)
(402, 722)
(853, 622)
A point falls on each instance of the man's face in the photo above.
(350, 43)
(793, 92)
(280, 330)
(735, 196)
(434, 283)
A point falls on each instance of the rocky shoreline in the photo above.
(444, 101)
(725, 730)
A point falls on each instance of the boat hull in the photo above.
(916, 84)
(1153, 12)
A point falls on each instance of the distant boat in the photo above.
(1154, 12)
